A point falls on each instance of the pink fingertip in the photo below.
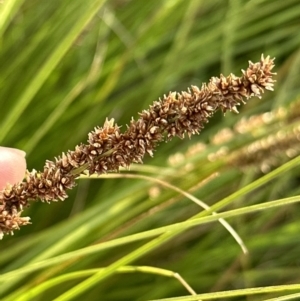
(12, 166)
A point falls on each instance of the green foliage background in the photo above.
(67, 65)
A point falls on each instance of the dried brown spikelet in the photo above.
(269, 151)
(294, 110)
(176, 114)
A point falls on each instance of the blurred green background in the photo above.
(67, 65)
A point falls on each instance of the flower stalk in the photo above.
(176, 114)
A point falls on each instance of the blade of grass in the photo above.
(200, 203)
(83, 83)
(236, 293)
(7, 11)
(28, 293)
(48, 67)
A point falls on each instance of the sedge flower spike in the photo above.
(176, 114)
